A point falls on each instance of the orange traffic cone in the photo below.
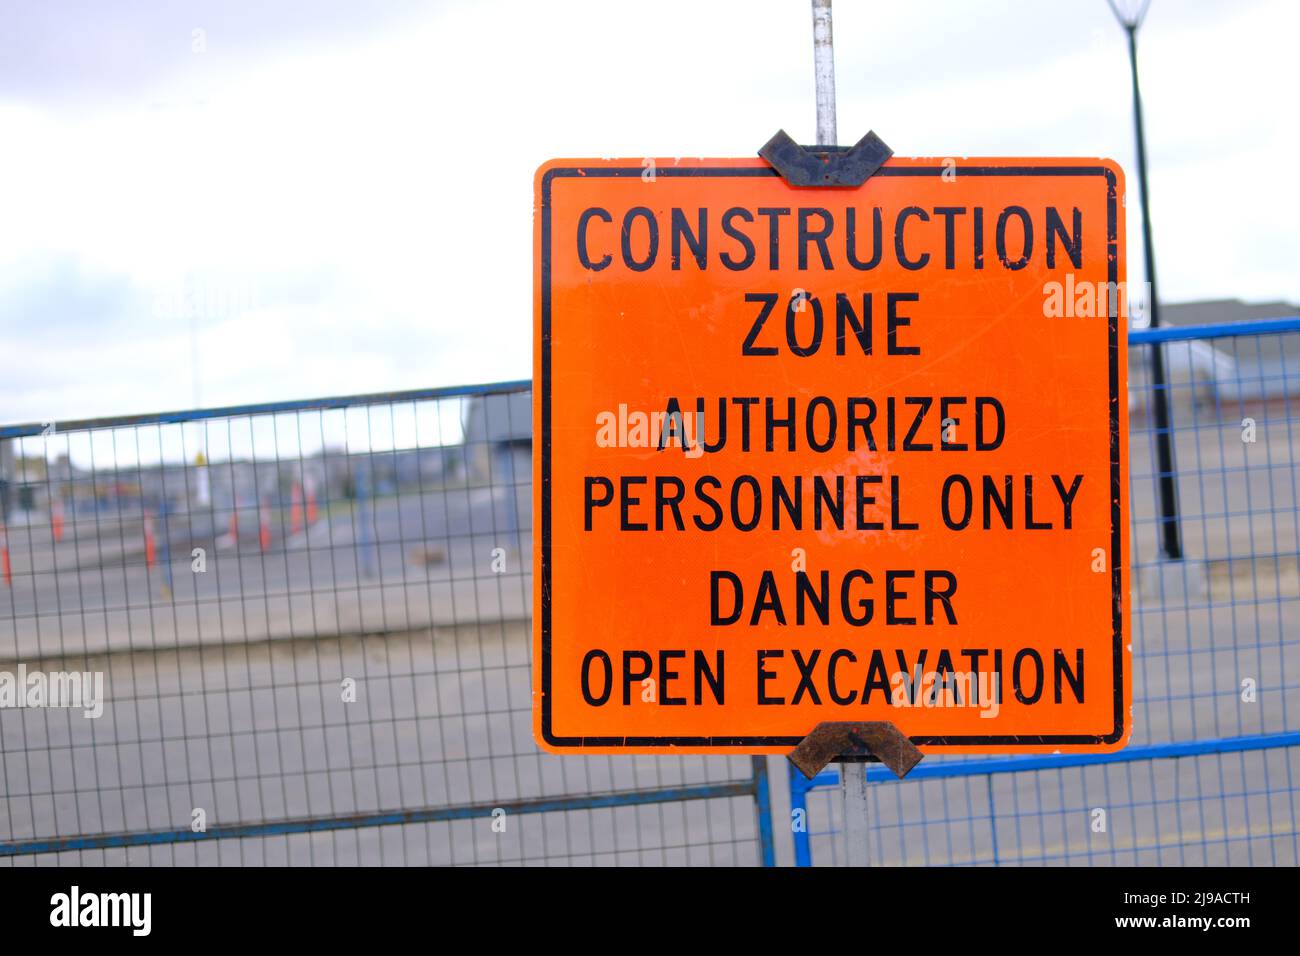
(56, 519)
(264, 528)
(149, 549)
(234, 525)
(295, 509)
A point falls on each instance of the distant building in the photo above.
(1227, 373)
(499, 437)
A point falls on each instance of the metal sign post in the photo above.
(824, 71)
(853, 785)
(853, 773)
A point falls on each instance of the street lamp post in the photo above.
(1170, 538)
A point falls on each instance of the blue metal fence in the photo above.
(358, 539)
(312, 625)
(1210, 774)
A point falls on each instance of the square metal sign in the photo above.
(807, 454)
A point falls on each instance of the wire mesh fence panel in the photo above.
(1211, 632)
(1210, 774)
(1222, 809)
(301, 634)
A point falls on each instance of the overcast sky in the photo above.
(337, 196)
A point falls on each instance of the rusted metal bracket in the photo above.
(825, 165)
(855, 740)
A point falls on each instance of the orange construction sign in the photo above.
(810, 454)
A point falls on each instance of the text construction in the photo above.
(810, 454)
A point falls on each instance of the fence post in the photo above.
(763, 806)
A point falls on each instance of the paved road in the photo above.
(394, 564)
(261, 731)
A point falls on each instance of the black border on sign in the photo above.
(1116, 536)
